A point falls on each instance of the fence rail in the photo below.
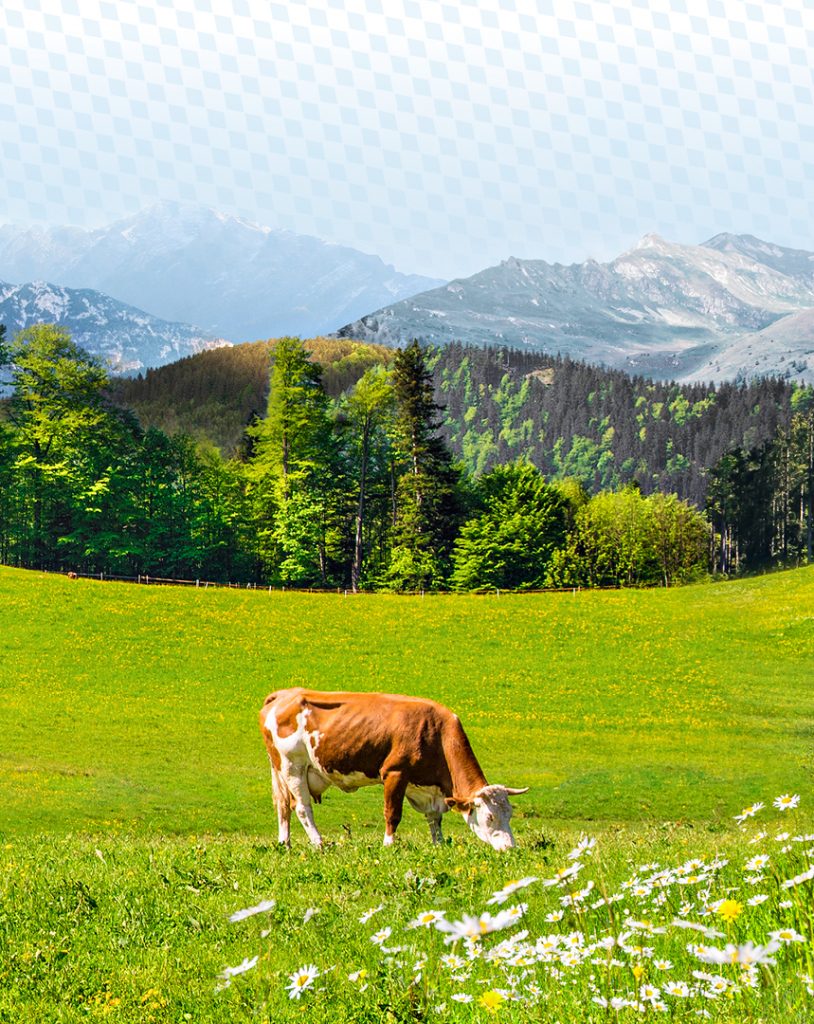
(165, 581)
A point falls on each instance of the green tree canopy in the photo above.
(509, 544)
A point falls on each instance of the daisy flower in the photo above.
(511, 887)
(786, 802)
(806, 876)
(749, 812)
(381, 936)
(369, 913)
(757, 863)
(260, 908)
(584, 846)
(300, 980)
(246, 965)
(787, 935)
(426, 918)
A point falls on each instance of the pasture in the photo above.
(135, 807)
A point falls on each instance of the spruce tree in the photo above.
(427, 503)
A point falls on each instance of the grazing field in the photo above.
(136, 816)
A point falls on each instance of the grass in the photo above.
(136, 929)
(138, 705)
(135, 811)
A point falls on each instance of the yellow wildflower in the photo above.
(730, 909)
(491, 1000)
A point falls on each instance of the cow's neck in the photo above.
(464, 770)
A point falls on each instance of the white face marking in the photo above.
(490, 817)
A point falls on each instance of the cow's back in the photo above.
(348, 733)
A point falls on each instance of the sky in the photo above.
(444, 137)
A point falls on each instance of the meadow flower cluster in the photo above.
(706, 937)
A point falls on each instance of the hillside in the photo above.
(662, 309)
(237, 279)
(571, 419)
(628, 705)
(787, 343)
(215, 395)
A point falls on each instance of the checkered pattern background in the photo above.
(442, 135)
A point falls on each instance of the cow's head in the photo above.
(488, 813)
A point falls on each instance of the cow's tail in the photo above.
(281, 792)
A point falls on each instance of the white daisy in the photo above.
(300, 980)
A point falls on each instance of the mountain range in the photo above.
(238, 280)
(128, 339)
(733, 306)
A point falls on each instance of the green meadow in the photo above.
(138, 705)
(136, 813)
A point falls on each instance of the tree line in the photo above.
(570, 419)
(761, 498)
(360, 490)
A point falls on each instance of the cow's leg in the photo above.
(434, 821)
(395, 786)
(295, 779)
(282, 802)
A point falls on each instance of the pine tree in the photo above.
(427, 505)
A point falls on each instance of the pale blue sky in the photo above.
(441, 136)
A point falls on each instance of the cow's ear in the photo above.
(455, 804)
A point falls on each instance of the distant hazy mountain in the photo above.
(662, 309)
(187, 263)
(785, 348)
(129, 339)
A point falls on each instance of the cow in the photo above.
(413, 747)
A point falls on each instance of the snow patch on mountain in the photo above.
(128, 339)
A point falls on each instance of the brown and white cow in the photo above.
(415, 748)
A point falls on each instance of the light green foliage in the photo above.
(370, 409)
(624, 539)
(679, 408)
(293, 449)
(802, 401)
(479, 450)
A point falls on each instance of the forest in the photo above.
(342, 465)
